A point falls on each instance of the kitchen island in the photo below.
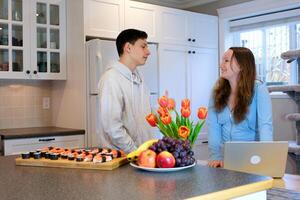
(126, 182)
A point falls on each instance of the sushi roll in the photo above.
(71, 156)
(25, 155)
(53, 156)
(117, 153)
(31, 153)
(37, 155)
(47, 155)
(88, 158)
(80, 158)
(43, 152)
(101, 158)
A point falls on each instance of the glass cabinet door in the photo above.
(48, 33)
(11, 36)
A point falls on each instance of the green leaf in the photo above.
(177, 119)
(197, 131)
(175, 129)
(162, 128)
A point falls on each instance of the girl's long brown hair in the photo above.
(245, 85)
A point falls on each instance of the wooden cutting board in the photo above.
(64, 163)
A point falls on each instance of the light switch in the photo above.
(46, 102)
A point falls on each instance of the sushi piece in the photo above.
(25, 155)
(37, 155)
(102, 158)
(89, 158)
(47, 155)
(71, 156)
(43, 152)
(117, 153)
(31, 153)
(80, 158)
(53, 156)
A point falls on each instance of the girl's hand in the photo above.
(215, 163)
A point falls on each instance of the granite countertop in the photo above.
(284, 88)
(126, 182)
(17, 133)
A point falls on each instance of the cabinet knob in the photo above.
(189, 39)
(35, 72)
(193, 40)
(27, 71)
(189, 52)
(194, 52)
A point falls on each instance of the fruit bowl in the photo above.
(162, 169)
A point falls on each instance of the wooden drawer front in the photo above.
(17, 146)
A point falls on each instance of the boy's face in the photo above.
(139, 52)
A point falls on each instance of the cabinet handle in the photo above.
(194, 52)
(193, 40)
(35, 72)
(189, 52)
(27, 71)
(189, 39)
(46, 140)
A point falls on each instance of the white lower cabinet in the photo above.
(17, 146)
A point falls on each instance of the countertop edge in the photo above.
(237, 191)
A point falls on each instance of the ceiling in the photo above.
(181, 4)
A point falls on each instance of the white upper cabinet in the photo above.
(187, 28)
(174, 26)
(32, 39)
(144, 17)
(48, 51)
(103, 18)
(203, 30)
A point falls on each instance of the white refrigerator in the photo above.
(99, 53)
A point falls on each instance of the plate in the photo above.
(162, 169)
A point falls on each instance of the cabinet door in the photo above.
(172, 72)
(103, 18)
(202, 75)
(174, 26)
(48, 50)
(144, 17)
(203, 30)
(14, 44)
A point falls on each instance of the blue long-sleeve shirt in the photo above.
(256, 126)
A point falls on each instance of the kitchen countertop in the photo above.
(17, 133)
(126, 182)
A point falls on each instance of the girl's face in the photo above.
(229, 67)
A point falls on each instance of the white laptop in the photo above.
(266, 158)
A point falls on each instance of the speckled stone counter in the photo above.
(17, 133)
(126, 182)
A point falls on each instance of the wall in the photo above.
(283, 129)
(211, 8)
(68, 97)
(21, 103)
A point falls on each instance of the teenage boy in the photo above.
(124, 99)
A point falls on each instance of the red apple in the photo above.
(147, 158)
(165, 160)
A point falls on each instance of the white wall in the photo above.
(68, 97)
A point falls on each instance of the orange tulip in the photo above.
(171, 104)
(166, 119)
(185, 103)
(183, 132)
(162, 111)
(185, 112)
(163, 101)
(202, 113)
(151, 119)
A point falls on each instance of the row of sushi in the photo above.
(96, 155)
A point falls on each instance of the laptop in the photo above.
(266, 158)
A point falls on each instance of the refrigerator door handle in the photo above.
(153, 93)
(94, 94)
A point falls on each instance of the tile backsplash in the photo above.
(21, 103)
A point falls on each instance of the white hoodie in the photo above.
(124, 103)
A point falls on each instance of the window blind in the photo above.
(265, 20)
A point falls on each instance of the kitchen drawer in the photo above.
(17, 146)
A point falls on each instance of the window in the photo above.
(267, 43)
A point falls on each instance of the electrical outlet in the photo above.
(46, 102)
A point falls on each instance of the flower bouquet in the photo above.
(173, 125)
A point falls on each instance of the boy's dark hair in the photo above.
(129, 35)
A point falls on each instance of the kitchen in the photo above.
(68, 97)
